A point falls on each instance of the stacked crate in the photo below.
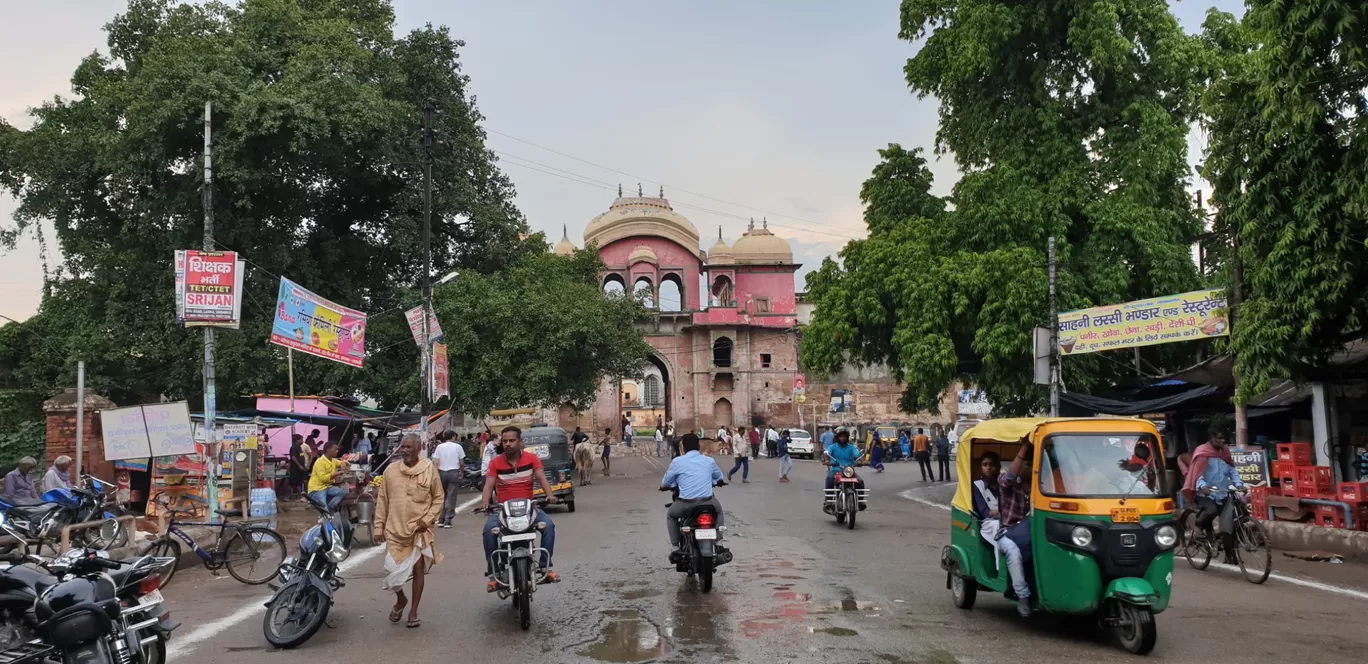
(1356, 494)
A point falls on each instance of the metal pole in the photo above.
(428, 146)
(211, 465)
(80, 418)
(1236, 283)
(289, 363)
(1054, 336)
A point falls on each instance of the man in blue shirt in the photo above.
(694, 475)
(839, 455)
(827, 438)
(1213, 487)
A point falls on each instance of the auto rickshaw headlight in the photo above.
(1166, 537)
(1081, 537)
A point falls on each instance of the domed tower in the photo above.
(760, 246)
(565, 247)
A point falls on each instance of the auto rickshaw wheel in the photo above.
(1136, 630)
(570, 505)
(963, 591)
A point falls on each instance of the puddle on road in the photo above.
(641, 593)
(836, 631)
(627, 636)
(792, 596)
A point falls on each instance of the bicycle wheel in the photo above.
(253, 555)
(1252, 550)
(1195, 549)
(164, 547)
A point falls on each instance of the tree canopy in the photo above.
(316, 132)
(1066, 120)
(1288, 159)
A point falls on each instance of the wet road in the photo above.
(801, 589)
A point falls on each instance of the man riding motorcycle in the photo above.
(694, 475)
(512, 474)
(839, 455)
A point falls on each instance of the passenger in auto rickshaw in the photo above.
(1003, 504)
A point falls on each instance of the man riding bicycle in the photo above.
(1214, 480)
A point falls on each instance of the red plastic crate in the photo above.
(1330, 516)
(1258, 501)
(1353, 492)
(1284, 475)
(1297, 453)
(1360, 516)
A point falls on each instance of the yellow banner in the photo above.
(1158, 320)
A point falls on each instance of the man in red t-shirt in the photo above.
(512, 474)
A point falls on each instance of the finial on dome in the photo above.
(751, 227)
(639, 194)
(565, 232)
(662, 191)
(619, 190)
(719, 232)
(766, 222)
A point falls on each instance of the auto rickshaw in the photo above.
(1101, 522)
(552, 446)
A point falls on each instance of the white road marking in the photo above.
(184, 645)
(653, 463)
(910, 494)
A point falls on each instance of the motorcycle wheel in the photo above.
(302, 605)
(155, 652)
(164, 547)
(14, 631)
(840, 517)
(522, 591)
(851, 523)
(705, 578)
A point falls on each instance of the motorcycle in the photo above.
(515, 558)
(846, 499)
(302, 601)
(700, 550)
(42, 520)
(85, 608)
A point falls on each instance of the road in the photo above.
(801, 589)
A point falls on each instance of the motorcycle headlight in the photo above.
(337, 551)
(1081, 537)
(1166, 537)
(848, 471)
(519, 524)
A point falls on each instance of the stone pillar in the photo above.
(61, 432)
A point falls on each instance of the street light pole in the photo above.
(429, 144)
(212, 455)
(1054, 335)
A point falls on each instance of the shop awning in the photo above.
(1084, 405)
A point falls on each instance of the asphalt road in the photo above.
(802, 589)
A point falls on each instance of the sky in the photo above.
(760, 109)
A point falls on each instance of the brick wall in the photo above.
(61, 432)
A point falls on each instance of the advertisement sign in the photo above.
(140, 432)
(842, 401)
(415, 321)
(1252, 465)
(1159, 320)
(440, 387)
(313, 325)
(800, 384)
(209, 288)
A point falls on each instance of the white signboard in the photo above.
(124, 433)
(168, 428)
(415, 321)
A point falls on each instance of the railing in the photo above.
(128, 520)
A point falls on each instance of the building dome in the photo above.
(636, 216)
(720, 254)
(760, 246)
(641, 254)
(565, 247)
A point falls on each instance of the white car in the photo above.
(801, 444)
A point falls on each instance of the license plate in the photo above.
(1125, 515)
(154, 597)
(709, 534)
(517, 538)
(848, 479)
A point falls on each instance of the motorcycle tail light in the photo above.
(149, 584)
(705, 521)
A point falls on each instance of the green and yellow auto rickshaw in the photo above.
(1102, 533)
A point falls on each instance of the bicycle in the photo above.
(1252, 551)
(238, 546)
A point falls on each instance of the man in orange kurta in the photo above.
(409, 503)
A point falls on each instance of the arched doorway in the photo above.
(649, 404)
(722, 412)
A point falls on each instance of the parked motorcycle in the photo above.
(42, 520)
(700, 548)
(516, 571)
(85, 608)
(301, 603)
(846, 499)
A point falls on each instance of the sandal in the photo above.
(398, 612)
(413, 622)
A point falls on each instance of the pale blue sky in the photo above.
(775, 107)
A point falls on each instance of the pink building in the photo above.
(723, 321)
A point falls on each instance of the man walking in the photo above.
(409, 502)
(627, 433)
(607, 448)
(450, 459)
(742, 454)
(943, 456)
(772, 442)
(921, 449)
(660, 442)
(18, 486)
(785, 463)
(754, 437)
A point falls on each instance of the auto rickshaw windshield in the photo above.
(1101, 465)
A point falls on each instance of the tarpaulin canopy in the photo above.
(1087, 404)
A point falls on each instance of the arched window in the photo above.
(652, 391)
(613, 286)
(644, 291)
(671, 293)
(722, 292)
(722, 352)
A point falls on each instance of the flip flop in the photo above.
(398, 613)
(414, 622)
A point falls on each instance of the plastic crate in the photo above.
(1258, 501)
(1353, 492)
(1283, 474)
(1329, 516)
(1297, 453)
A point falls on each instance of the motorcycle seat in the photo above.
(26, 502)
(701, 509)
(34, 511)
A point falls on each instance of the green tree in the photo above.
(1066, 120)
(1288, 160)
(317, 178)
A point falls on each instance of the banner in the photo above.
(1159, 320)
(1252, 465)
(208, 288)
(313, 325)
(141, 432)
(415, 321)
(440, 386)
